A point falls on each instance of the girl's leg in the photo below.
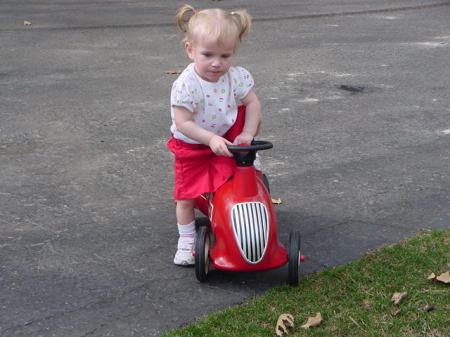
(185, 211)
(186, 229)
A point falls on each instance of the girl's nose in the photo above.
(216, 63)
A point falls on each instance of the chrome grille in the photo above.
(251, 229)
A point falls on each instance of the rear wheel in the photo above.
(293, 258)
(202, 221)
(202, 254)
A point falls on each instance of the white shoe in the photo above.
(183, 256)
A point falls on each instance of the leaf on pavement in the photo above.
(397, 297)
(172, 72)
(276, 201)
(284, 323)
(27, 23)
(313, 321)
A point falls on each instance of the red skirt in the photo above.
(197, 169)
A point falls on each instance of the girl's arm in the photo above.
(253, 118)
(186, 125)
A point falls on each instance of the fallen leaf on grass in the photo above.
(172, 72)
(27, 23)
(284, 323)
(276, 201)
(395, 311)
(397, 297)
(428, 308)
(313, 321)
(444, 278)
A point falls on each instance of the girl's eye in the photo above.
(225, 56)
(207, 54)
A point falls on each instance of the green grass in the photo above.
(353, 299)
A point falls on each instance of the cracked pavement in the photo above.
(356, 102)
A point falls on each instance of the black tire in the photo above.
(293, 258)
(201, 222)
(265, 181)
(202, 244)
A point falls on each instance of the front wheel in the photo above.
(202, 254)
(293, 258)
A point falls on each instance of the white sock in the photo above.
(187, 232)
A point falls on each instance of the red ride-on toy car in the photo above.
(242, 231)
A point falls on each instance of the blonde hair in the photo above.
(215, 23)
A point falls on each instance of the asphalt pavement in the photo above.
(356, 101)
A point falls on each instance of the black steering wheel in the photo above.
(245, 154)
(255, 146)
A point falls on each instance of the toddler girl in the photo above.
(205, 113)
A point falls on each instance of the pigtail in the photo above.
(184, 14)
(243, 20)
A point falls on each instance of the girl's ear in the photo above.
(189, 50)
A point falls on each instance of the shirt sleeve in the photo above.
(183, 95)
(242, 82)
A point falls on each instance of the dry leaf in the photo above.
(284, 323)
(173, 72)
(27, 23)
(445, 278)
(432, 276)
(313, 321)
(428, 308)
(397, 297)
(276, 201)
(395, 311)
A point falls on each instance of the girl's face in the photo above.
(211, 59)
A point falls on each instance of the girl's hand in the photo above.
(219, 146)
(243, 138)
